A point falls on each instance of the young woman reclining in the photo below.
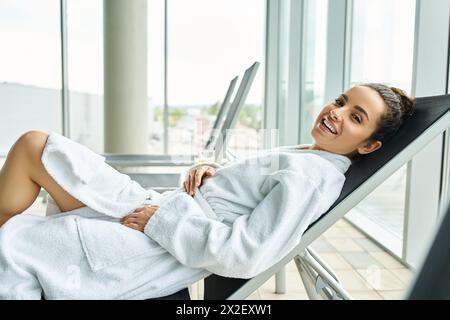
(115, 240)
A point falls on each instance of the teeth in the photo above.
(329, 126)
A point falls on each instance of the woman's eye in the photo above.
(338, 102)
(356, 117)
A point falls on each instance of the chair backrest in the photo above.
(235, 109)
(223, 110)
(431, 117)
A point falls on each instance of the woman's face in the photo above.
(344, 126)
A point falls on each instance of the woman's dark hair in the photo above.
(400, 106)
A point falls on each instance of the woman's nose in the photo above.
(334, 114)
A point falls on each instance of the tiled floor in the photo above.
(365, 270)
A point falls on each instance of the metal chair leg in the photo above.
(280, 281)
(318, 277)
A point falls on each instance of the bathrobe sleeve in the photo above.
(17, 283)
(252, 243)
(205, 163)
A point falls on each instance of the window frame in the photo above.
(426, 170)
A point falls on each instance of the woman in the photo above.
(244, 218)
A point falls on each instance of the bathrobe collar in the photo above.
(341, 162)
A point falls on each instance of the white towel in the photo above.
(85, 175)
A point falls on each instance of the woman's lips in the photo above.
(330, 124)
(325, 129)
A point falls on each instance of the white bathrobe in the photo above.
(245, 218)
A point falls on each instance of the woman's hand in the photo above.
(196, 177)
(139, 218)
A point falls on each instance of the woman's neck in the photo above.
(315, 147)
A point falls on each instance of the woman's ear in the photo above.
(370, 147)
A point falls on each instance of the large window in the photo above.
(382, 46)
(30, 69)
(383, 42)
(156, 74)
(315, 33)
(209, 43)
(85, 71)
(85, 56)
(302, 42)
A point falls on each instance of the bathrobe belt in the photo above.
(201, 201)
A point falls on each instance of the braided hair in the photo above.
(400, 107)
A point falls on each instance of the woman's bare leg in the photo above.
(23, 175)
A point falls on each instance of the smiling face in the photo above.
(344, 126)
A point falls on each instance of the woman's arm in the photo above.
(252, 244)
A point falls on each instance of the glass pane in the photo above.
(156, 74)
(283, 71)
(85, 71)
(382, 51)
(383, 42)
(30, 64)
(314, 65)
(210, 42)
(85, 33)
